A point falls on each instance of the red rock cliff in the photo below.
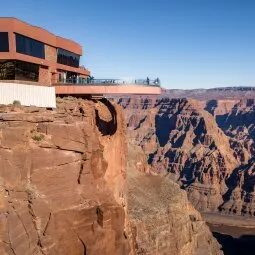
(62, 179)
(206, 146)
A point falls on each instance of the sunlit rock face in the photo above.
(161, 219)
(60, 191)
(239, 124)
(206, 146)
(70, 185)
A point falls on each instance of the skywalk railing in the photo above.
(108, 82)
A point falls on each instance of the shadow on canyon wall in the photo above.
(211, 105)
(107, 127)
(244, 245)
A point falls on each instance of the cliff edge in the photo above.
(60, 193)
(63, 176)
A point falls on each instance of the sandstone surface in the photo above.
(162, 221)
(60, 191)
(63, 177)
(206, 146)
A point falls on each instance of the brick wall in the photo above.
(49, 77)
(50, 54)
(44, 76)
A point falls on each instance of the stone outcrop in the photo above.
(162, 221)
(240, 198)
(62, 179)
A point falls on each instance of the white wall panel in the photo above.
(28, 95)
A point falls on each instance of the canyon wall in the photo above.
(206, 146)
(239, 125)
(62, 179)
(221, 93)
(162, 220)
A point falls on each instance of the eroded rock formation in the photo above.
(162, 221)
(63, 187)
(60, 192)
(239, 125)
(205, 146)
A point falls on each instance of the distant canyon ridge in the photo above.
(202, 139)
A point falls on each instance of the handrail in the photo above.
(89, 81)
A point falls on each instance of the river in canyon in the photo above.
(236, 234)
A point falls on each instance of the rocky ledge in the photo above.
(59, 191)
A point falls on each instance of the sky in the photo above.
(186, 43)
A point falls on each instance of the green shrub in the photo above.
(38, 137)
(16, 102)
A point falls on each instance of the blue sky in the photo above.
(187, 43)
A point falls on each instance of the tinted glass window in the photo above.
(7, 70)
(19, 70)
(26, 71)
(4, 42)
(68, 58)
(28, 46)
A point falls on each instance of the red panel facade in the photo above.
(48, 67)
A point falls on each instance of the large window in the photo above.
(28, 46)
(26, 71)
(19, 70)
(4, 42)
(7, 70)
(68, 58)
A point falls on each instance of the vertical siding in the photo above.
(28, 95)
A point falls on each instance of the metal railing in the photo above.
(105, 82)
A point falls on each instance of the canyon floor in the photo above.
(236, 234)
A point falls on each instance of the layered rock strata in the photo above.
(63, 188)
(239, 124)
(205, 146)
(62, 179)
(162, 221)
